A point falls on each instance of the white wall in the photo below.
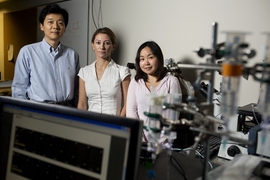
(180, 26)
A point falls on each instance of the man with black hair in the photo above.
(47, 71)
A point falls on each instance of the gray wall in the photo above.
(180, 26)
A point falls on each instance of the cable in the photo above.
(99, 22)
(182, 171)
(100, 14)
(252, 107)
(93, 14)
(197, 153)
(202, 157)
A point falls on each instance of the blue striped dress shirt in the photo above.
(45, 74)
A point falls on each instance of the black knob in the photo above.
(250, 53)
(200, 52)
(131, 65)
(233, 150)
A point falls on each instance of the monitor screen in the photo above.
(45, 141)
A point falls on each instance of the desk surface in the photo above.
(167, 169)
(5, 84)
(241, 167)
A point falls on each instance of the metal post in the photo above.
(210, 92)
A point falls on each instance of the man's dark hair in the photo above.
(53, 9)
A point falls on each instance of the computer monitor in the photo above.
(45, 141)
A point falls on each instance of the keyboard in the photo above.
(214, 144)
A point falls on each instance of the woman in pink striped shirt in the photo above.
(151, 78)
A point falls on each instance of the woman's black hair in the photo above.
(160, 73)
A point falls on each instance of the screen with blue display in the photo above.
(46, 141)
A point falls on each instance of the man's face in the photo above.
(53, 27)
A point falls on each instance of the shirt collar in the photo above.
(49, 47)
(112, 63)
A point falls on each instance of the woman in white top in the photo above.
(103, 85)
